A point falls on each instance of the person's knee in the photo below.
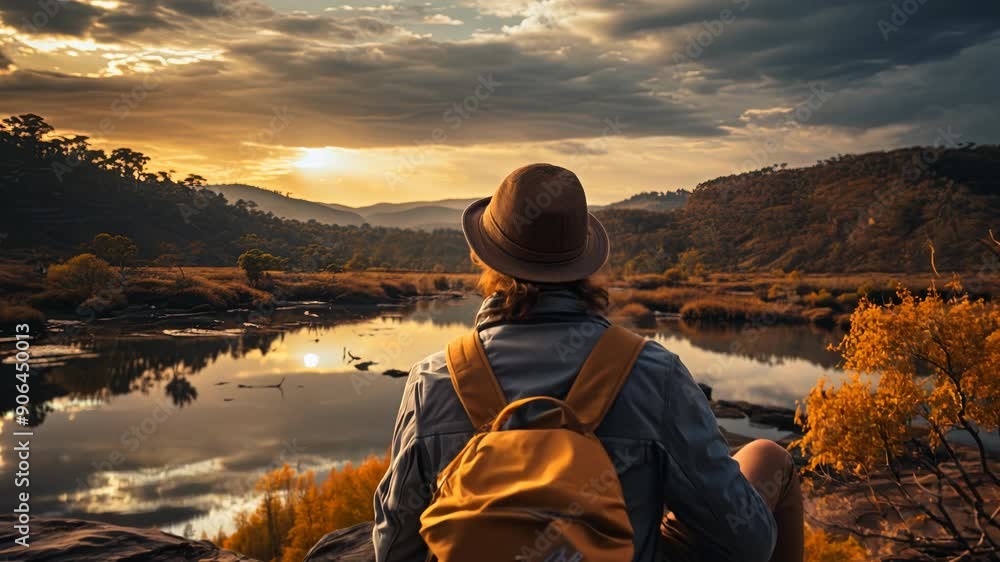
(768, 452)
(768, 467)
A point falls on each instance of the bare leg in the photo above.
(769, 469)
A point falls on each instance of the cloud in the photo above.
(576, 148)
(58, 17)
(378, 77)
(442, 19)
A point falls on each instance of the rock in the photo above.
(353, 544)
(773, 416)
(779, 418)
(55, 539)
(728, 412)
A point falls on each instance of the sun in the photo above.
(310, 360)
(324, 158)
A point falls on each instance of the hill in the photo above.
(63, 193)
(879, 211)
(652, 201)
(457, 204)
(417, 215)
(870, 212)
(426, 217)
(288, 207)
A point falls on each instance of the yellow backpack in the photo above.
(548, 492)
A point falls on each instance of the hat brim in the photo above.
(593, 257)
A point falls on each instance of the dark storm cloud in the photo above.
(363, 28)
(571, 148)
(812, 39)
(197, 8)
(367, 81)
(119, 24)
(5, 61)
(413, 86)
(959, 91)
(49, 17)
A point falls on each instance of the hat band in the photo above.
(496, 235)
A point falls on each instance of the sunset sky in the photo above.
(364, 101)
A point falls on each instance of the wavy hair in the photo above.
(519, 296)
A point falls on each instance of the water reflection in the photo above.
(142, 428)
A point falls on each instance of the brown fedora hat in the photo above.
(536, 227)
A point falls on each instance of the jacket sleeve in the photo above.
(405, 490)
(704, 486)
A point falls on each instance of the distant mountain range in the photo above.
(418, 215)
(286, 207)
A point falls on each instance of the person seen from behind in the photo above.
(550, 434)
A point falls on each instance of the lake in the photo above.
(145, 424)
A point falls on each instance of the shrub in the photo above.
(632, 310)
(82, 276)
(735, 309)
(14, 314)
(848, 300)
(821, 546)
(255, 262)
(675, 275)
(921, 368)
(821, 298)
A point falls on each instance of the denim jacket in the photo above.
(660, 433)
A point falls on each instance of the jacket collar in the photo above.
(554, 305)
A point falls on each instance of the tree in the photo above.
(193, 181)
(82, 275)
(127, 162)
(293, 512)
(170, 257)
(25, 132)
(116, 250)
(921, 368)
(255, 262)
(358, 262)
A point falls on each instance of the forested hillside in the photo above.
(60, 193)
(879, 211)
(653, 201)
(871, 212)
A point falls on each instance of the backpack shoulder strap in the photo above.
(603, 374)
(473, 379)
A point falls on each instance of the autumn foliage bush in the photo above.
(920, 368)
(294, 512)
